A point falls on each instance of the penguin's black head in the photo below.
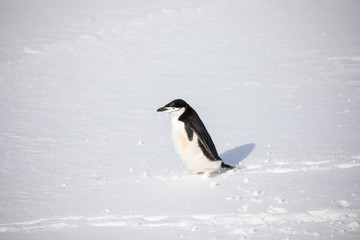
(173, 106)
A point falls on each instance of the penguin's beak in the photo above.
(162, 109)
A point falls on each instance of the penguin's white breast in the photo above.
(183, 146)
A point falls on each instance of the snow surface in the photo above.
(85, 155)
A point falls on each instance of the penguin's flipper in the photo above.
(205, 144)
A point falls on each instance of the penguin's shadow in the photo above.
(236, 155)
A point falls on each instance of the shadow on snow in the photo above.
(233, 157)
(236, 155)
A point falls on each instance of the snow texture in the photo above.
(85, 155)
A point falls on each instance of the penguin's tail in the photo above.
(224, 165)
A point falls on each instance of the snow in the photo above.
(85, 155)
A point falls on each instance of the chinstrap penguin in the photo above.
(191, 140)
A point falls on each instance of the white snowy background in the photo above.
(85, 155)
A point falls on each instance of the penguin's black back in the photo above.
(193, 123)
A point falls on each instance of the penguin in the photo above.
(191, 140)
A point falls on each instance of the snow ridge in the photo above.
(275, 219)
